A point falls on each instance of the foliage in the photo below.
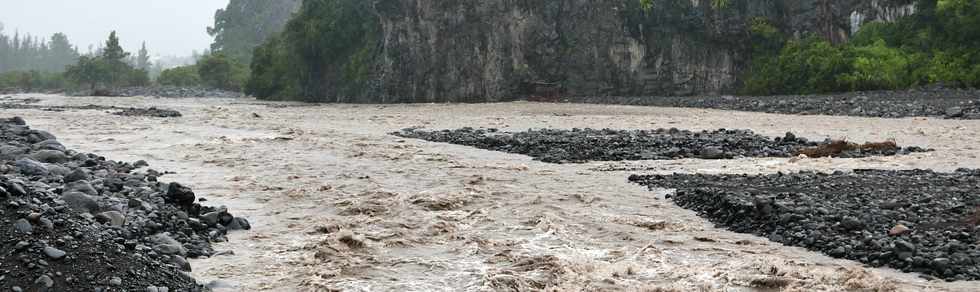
(244, 24)
(108, 69)
(183, 76)
(325, 53)
(32, 80)
(220, 71)
(89, 71)
(720, 4)
(138, 77)
(646, 5)
(877, 67)
(142, 61)
(939, 44)
(28, 53)
(802, 66)
(112, 50)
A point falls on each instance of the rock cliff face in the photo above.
(491, 50)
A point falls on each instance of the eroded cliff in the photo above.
(492, 50)
(469, 50)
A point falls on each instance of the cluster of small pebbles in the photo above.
(72, 221)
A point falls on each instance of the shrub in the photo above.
(184, 76)
(32, 80)
(219, 71)
(877, 67)
(138, 77)
(939, 44)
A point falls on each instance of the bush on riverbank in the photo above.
(939, 44)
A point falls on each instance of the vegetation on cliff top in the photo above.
(939, 44)
(327, 51)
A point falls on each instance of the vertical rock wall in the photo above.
(493, 50)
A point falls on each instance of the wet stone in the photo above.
(54, 253)
(863, 215)
(53, 213)
(23, 226)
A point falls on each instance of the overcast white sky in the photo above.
(169, 27)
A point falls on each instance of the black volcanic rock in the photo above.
(79, 222)
(581, 145)
(915, 221)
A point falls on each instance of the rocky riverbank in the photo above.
(30, 103)
(916, 221)
(581, 145)
(927, 102)
(80, 221)
(174, 92)
(157, 91)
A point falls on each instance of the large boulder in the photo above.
(31, 167)
(80, 202)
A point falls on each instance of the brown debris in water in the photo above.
(861, 279)
(352, 241)
(771, 282)
(440, 201)
(837, 147)
(533, 273)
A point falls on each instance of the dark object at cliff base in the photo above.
(82, 222)
(149, 112)
(915, 221)
(582, 145)
(928, 102)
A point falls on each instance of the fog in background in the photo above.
(169, 27)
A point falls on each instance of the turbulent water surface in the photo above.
(337, 203)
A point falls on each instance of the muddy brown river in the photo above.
(336, 204)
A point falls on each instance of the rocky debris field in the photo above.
(174, 92)
(30, 103)
(582, 145)
(149, 112)
(80, 222)
(916, 221)
(927, 102)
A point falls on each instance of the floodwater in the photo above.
(336, 204)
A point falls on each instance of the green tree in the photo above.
(325, 53)
(29, 53)
(113, 58)
(143, 59)
(180, 76)
(273, 71)
(112, 50)
(244, 24)
(219, 71)
(61, 53)
(89, 71)
(878, 67)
